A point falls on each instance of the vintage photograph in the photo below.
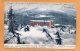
(39, 25)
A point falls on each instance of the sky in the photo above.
(42, 6)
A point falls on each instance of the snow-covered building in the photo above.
(48, 23)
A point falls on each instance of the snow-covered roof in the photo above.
(41, 20)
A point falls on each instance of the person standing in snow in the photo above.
(27, 29)
(18, 39)
(58, 39)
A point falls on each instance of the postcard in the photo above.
(40, 25)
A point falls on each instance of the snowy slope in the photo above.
(32, 33)
(37, 36)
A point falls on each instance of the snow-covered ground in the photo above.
(37, 36)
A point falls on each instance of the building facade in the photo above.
(48, 23)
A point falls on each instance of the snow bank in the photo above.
(37, 36)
